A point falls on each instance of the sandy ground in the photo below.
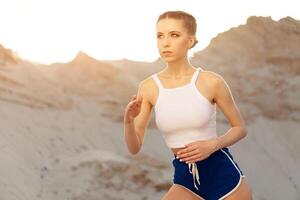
(78, 154)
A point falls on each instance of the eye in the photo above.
(158, 36)
(175, 34)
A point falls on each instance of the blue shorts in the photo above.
(213, 178)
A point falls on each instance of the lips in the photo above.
(165, 52)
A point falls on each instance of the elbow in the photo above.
(245, 131)
(134, 147)
(134, 151)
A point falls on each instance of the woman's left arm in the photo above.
(200, 150)
(225, 101)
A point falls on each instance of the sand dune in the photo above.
(62, 132)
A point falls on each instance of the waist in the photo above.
(178, 140)
(213, 156)
(176, 149)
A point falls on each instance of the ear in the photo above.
(191, 41)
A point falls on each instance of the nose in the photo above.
(166, 42)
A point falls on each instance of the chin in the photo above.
(169, 59)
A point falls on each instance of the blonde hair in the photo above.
(188, 20)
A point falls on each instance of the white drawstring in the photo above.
(194, 172)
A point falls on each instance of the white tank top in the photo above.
(183, 114)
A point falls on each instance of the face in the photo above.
(172, 36)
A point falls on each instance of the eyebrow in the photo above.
(170, 32)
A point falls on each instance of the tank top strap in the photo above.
(195, 75)
(157, 81)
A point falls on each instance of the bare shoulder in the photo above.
(218, 80)
(212, 79)
(146, 84)
(147, 89)
(215, 82)
(225, 100)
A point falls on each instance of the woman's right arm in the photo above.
(136, 119)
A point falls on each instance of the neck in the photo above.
(178, 68)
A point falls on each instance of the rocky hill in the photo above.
(62, 132)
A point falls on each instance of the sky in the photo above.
(48, 31)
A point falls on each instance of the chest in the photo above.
(203, 89)
(182, 109)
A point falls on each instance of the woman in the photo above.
(184, 99)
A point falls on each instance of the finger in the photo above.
(136, 105)
(200, 157)
(194, 158)
(188, 154)
(185, 150)
(133, 96)
(132, 105)
(136, 102)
